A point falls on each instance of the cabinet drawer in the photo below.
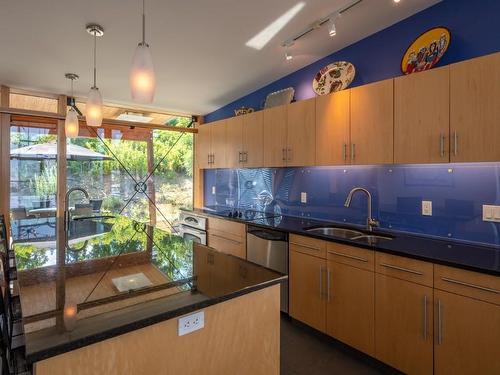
(351, 256)
(404, 268)
(227, 245)
(467, 283)
(307, 245)
(226, 226)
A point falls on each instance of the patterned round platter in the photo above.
(333, 77)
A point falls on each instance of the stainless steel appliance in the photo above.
(269, 248)
(193, 227)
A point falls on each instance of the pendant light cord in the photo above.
(95, 52)
(143, 23)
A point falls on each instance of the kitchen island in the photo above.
(109, 302)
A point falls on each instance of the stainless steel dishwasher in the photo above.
(269, 248)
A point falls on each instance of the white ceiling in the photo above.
(199, 51)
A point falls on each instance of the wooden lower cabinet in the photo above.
(403, 325)
(307, 278)
(350, 306)
(467, 335)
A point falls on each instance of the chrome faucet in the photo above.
(66, 205)
(370, 221)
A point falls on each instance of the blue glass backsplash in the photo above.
(457, 192)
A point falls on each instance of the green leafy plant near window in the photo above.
(45, 183)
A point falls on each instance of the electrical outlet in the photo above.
(427, 208)
(191, 323)
(213, 190)
(303, 197)
(491, 213)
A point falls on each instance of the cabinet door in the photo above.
(422, 117)
(332, 128)
(203, 146)
(301, 133)
(275, 136)
(307, 278)
(467, 338)
(234, 142)
(474, 109)
(351, 306)
(227, 244)
(253, 137)
(372, 123)
(218, 144)
(403, 325)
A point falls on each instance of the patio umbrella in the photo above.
(44, 151)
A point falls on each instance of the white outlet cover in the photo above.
(213, 190)
(303, 197)
(427, 208)
(191, 323)
(491, 213)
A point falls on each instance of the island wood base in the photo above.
(241, 336)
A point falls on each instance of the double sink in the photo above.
(349, 234)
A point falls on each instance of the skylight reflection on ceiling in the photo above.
(264, 36)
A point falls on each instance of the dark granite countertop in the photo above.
(479, 258)
(119, 275)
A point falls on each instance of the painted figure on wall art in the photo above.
(426, 50)
(333, 77)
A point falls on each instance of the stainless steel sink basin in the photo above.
(371, 239)
(336, 232)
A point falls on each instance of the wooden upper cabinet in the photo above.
(218, 144)
(422, 117)
(202, 147)
(253, 137)
(474, 109)
(301, 133)
(275, 136)
(372, 123)
(403, 324)
(234, 142)
(332, 128)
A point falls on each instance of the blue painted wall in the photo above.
(457, 192)
(475, 30)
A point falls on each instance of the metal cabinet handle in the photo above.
(224, 238)
(209, 160)
(441, 145)
(455, 143)
(240, 159)
(245, 159)
(344, 151)
(283, 154)
(306, 246)
(321, 282)
(348, 256)
(353, 151)
(463, 283)
(289, 154)
(328, 284)
(401, 269)
(440, 323)
(425, 318)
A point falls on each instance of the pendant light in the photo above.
(71, 123)
(93, 109)
(142, 75)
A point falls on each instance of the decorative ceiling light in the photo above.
(333, 28)
(288, 54)
(93, 108)
(142, 73)
(71, 122)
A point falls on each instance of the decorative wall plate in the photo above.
(426, 50)
(333, 77)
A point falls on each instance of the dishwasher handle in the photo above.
(266, 234)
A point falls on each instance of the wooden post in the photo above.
(151, 181)
(4, 97)
(62, 105)
(197, 173)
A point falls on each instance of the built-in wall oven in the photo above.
(269, 248)
(193, 227)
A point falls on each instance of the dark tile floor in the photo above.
(304, 352)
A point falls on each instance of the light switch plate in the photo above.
(427, 208)
(191, 323)
(491, 213)
(303, 197)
